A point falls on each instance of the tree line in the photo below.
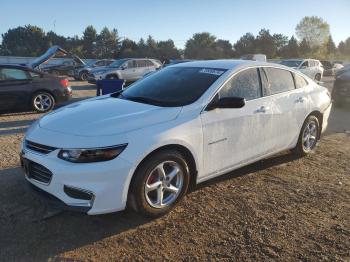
(313, 39)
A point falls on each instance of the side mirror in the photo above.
(227, 102)
(303, 67)
(123, 67)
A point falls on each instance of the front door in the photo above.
(129, 73)
(15, 88)
(235, 136)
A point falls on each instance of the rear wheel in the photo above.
(308, 137)
(159, 183)
(318, 77)
(84, 76)
(43, 102)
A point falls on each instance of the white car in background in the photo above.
(185, 124)
(310, 67)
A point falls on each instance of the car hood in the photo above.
(50, 53)
(106, 115)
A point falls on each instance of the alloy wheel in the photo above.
(309, 138)
(42, 102)
(164, 184)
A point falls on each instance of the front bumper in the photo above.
(107, 182)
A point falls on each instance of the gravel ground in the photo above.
(283, 208)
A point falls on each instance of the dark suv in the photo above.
(23, 88)
(341, 89)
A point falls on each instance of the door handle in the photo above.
(262, 109)
(299, 100)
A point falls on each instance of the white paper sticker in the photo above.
(211, 71)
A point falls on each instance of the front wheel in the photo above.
(43, 102)
(159, 183)
(308, 137)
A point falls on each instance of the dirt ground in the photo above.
(283, 208)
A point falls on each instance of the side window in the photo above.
(279, 80)
(141, 63)
(245, 84)
(149, 63)
(300, 81)
(12, 74)
(131, 63)
(306, 64)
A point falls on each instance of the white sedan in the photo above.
(145, 146)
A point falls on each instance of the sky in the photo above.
(177, 19)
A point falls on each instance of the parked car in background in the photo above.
(22, 88)
(254, 57)
(146, 145)
(82, 73)
(129, 69)
(330, 69)
(310, 67)
(341, 88)
(342, 70)
(67, 67)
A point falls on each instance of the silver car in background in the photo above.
(129, 69)
(82, 73)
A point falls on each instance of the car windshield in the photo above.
(172, 86)
(291, 63)
(118, 63)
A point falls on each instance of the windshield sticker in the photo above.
(211, 71)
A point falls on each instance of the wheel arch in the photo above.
(319, 116)
(182, 150)
(51, 92)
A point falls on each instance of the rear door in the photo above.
(15, 88)
(142, 68)
(288, 106)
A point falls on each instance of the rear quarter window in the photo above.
(300, 81)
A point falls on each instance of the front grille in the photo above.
(78, 193)
(38, 172)
(38, 147)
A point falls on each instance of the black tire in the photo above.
(318, 77)
(139, 201)
(301, 148)
(44, 106)
(83, 76)
(112, 77)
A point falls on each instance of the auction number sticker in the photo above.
(211, 71)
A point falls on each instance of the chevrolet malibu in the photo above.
(144, 147)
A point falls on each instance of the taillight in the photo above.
(64, 83)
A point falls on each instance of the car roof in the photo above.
(226, 64)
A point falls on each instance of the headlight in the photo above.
(91, 154)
